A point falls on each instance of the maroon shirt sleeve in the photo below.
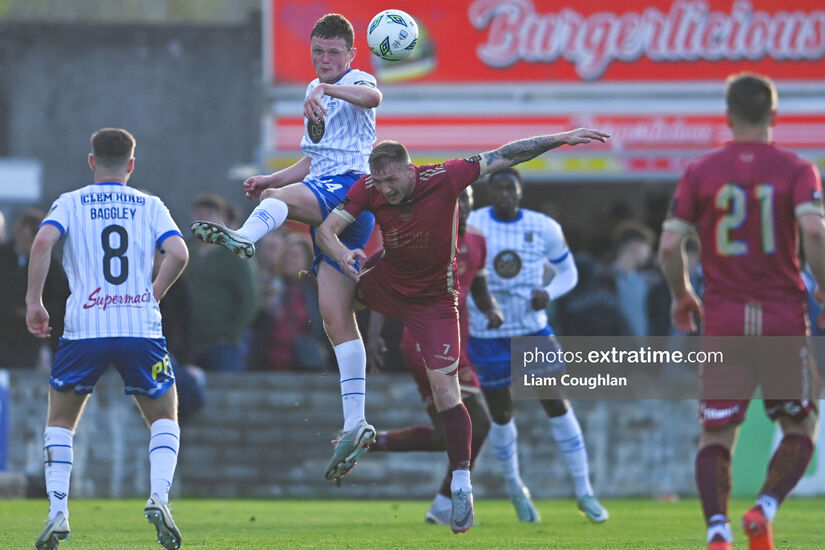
(462, 172)
(356, 201)
(683, 207)
(808, 186)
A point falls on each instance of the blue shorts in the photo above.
(491, 359)
(330, 192)
(143, 363)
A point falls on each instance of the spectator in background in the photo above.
(18, 348)
(288, 333)
(634, 250)
(591, 308)
(224, 292)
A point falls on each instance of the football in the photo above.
(392, 35)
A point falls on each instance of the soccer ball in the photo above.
(392, 35)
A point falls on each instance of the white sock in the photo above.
(267, 216)
(568, 436)
(57, 459)
(440, 502)
(352, 366)
(504, 440)
(719, 525)
(163, 456)
(769, 506)
(461, 480)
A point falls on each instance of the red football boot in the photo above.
(758, 529)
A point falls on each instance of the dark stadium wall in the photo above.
(191, 95)
(268, 435)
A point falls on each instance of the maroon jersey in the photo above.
(744, 201)
(472, 253)
(419, 234)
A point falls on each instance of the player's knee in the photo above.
(555, 407)
(501, 416)
(270, 193)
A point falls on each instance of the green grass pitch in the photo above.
(387, 524)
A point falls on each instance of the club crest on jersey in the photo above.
(507, 264)
(405, 213)
(528, 237)
(315, 129)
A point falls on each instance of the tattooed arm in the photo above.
(523, 150)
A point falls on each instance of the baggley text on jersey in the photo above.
(112, 213)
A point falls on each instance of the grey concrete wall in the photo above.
(190, 94)
(268, 435)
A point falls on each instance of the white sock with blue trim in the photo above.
(163, 456)
(352, 365)
(568, 436)
(57, 460)
(504, 440)
(266, 217)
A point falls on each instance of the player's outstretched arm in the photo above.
(523, 150)
(685, 305)
(175, 258)
(292, 174)
(328, 241)
(37, 318)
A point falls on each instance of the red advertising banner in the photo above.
(640, 144)
(640, 132)
(582, 41)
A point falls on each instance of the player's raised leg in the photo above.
(295, 201)
(568, 436)
(336, 296)
(64, 411)
(164, 443)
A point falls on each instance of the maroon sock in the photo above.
(476, 442)
(457, 430)
(713, 478)
(788, 465)
(414, 438)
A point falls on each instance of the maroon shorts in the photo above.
(794, 371)
(433, 322)
(414, 362)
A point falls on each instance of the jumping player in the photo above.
(414, 280)
(747, 201)
(339, 108)
(111, 233)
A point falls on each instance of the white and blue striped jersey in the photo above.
(111, 233)
(349, 132)
(517, 253)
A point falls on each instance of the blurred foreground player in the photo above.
(520, 243)
(747, 201)
(111, 233)
(470, 259)
(414, 279)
